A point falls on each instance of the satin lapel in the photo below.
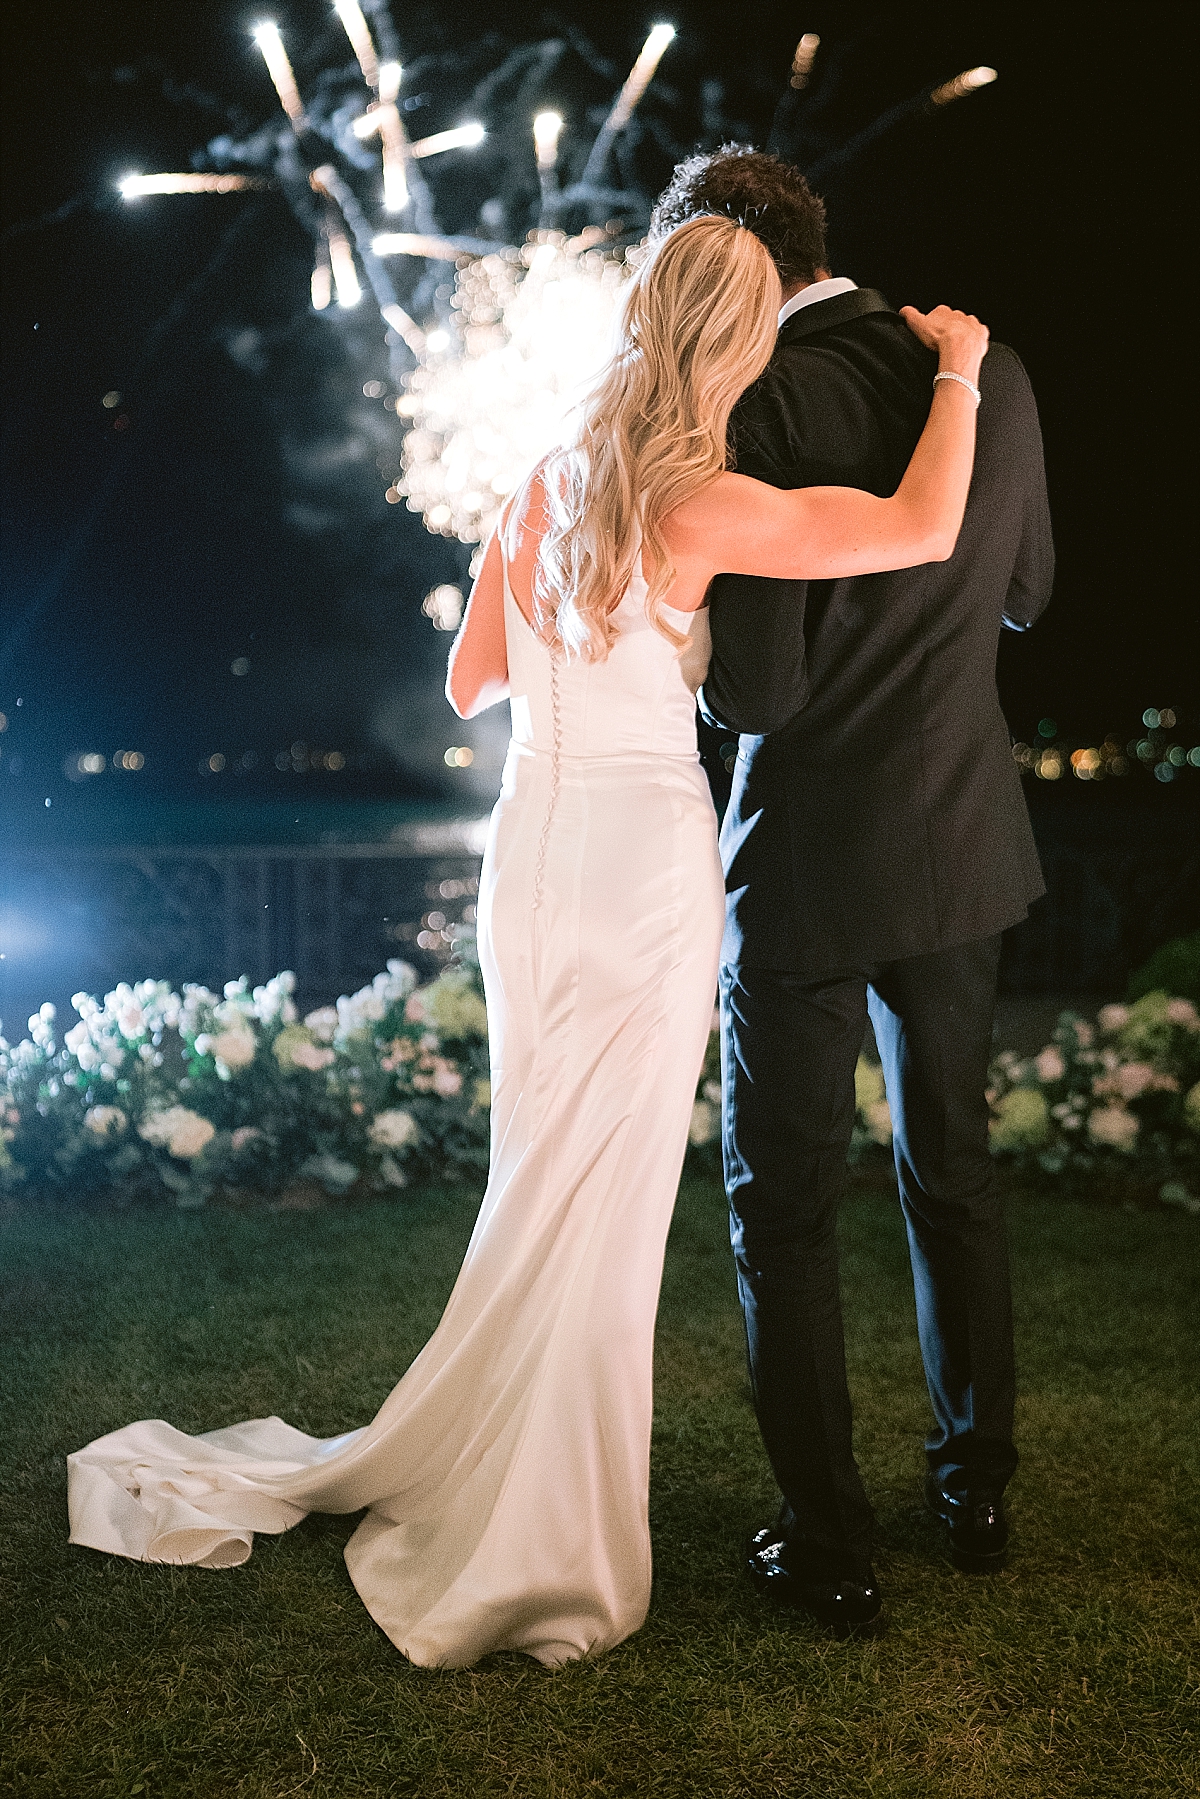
(826, 315)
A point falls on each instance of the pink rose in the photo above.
(1182, 1011)
(1085, 1036)
(1111, 1018)
(1050, 1064)
(313, 1056)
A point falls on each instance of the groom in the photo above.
(876, 845)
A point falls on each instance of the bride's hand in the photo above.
(958, 337)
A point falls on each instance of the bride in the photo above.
(506, 1476)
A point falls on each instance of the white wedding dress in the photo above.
(506, 1476)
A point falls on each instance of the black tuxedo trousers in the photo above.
(789, 1049)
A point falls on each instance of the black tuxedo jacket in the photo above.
(876, 810)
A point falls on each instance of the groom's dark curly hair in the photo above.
(762, 192)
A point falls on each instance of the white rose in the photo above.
(323, 1023)
(131, 1020)
(182, 1132)
(392, 1130)
(311, 1055)
(105, 1121)
(235, 1047)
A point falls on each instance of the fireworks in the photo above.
(523, 329)
(134, 187)
(547, 128)
(267, 37)
(357, 30)
(803, 60)
(636, 83)
(532, 327)
(966, 83)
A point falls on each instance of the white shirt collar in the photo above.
(816, 290)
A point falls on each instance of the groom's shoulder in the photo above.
(1008, 400)
(836, 390)
(872, 349)
(1003, 372)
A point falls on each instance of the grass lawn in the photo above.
(1074, 1672)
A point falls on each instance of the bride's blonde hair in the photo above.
(697, 326)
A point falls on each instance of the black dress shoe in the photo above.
(977, 1528)
(848, 1607)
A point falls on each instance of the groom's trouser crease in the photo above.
(789, 1049)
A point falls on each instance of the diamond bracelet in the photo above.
(947, 375)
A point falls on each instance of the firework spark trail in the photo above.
(383, 119)
(924, 102)
(133, 187)
(356, 29)
(636, 83)
(279, 68)
(437, 249)
(547, 129)
(382, 288)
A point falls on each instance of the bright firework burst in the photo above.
(489, 396)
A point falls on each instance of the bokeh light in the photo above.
(444, 605)
(533, 327)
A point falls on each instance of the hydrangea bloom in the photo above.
(1022, 1120)
(104, 1121)
(370, 1004)
(295, 1047)
(1114, 1128)
(453, 1006)
(1191, 1108)
(235, 1048)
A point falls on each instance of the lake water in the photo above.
(77, 821)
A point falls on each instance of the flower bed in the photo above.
(192, 1093)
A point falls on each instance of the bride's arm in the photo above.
(740, 526)
(478, 674)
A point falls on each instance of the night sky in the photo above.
(231, 503)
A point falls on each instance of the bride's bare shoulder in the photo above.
(523, 515)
